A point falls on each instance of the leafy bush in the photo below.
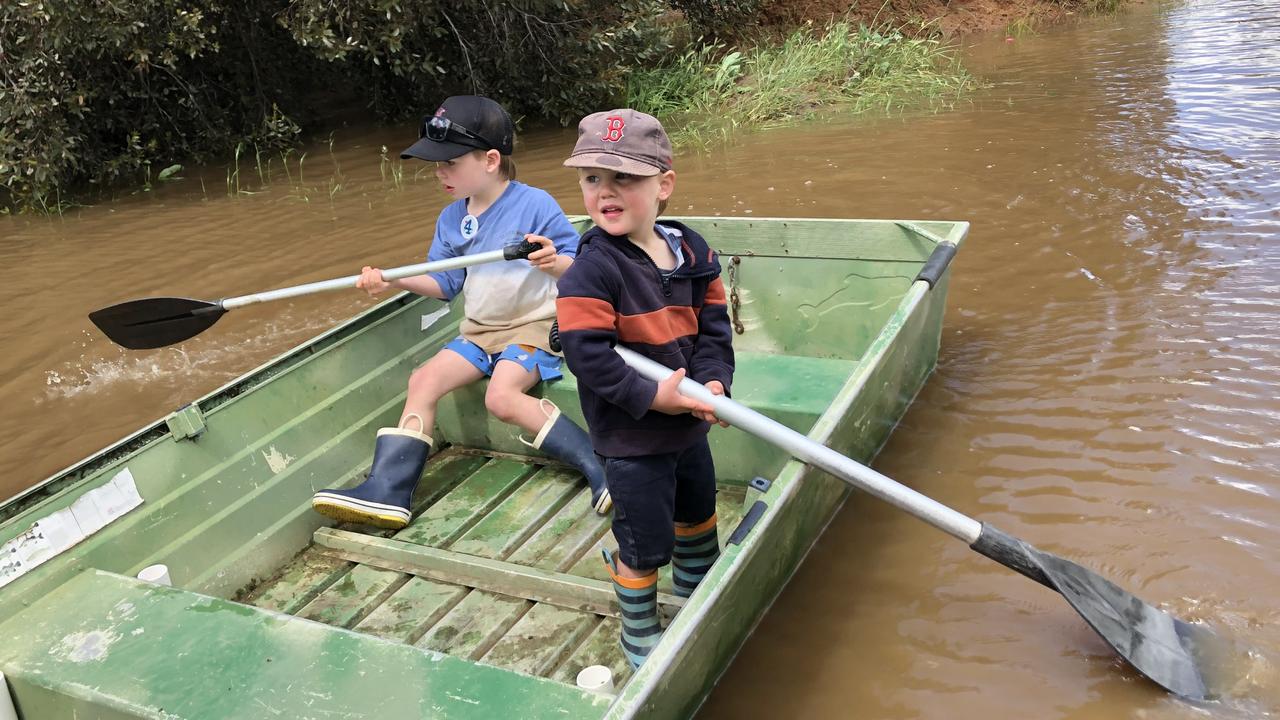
(542, 57)
(95, 92)
(719, 18)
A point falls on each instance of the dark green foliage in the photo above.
(92, 92)
(540, 57)
(720, 18)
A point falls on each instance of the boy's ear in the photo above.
(666, 184)
(492, 160)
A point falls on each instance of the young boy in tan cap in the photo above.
(654, 287)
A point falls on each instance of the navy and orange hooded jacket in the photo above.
(614, 293)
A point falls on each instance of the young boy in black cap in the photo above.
(654, 287)
(509, 309)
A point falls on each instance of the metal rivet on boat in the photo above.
(158, 574)
(597, 679)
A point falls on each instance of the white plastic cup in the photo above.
(158, 574)
(597, 679)
(7, 710)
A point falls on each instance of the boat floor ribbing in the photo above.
(500, 565)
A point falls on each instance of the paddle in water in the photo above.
(1191, 661)
(156, 322)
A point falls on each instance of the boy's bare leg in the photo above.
(554, 434)
(439, 376)
(506, 397)
(627, 572)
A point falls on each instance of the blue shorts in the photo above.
(526, 356)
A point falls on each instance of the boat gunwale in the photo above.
(69, 479)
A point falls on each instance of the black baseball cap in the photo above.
(461, 124)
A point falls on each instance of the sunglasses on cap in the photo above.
(436, 129)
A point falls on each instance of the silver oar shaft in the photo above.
(802, 448)
(350, 282)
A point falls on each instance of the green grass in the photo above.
(712, 90)
(391, 169)
(1095, 7)
(1025, 26)
(1030, 24)
(1104, 6)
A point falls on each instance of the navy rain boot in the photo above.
(563, 440)
(384, 498)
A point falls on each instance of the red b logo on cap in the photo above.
(613, 129)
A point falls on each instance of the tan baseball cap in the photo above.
(623, 140)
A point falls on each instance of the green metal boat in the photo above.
(494, 598)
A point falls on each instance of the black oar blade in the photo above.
(1157, 644)
(155, 322)
(1188, 660)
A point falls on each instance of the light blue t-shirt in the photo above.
(519, 210)
(673, 238)
(506, 302)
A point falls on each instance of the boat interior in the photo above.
(497, 580)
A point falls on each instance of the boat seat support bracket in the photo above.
(748, 522)
(755, 490)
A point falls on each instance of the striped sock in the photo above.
(696, 551)
(638, 598)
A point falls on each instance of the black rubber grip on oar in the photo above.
(1011, 552)
(553, 337)
(520, 250)
(937, 263)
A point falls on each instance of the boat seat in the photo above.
(792, 389)
(110, 646)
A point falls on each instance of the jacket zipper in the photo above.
(663, 279)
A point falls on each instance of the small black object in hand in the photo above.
(553, 338)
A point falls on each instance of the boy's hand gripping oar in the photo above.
(157, 322)
(1188, 660)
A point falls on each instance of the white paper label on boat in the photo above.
(430, 318)
(55, 533)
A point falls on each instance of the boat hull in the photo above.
(834, 338)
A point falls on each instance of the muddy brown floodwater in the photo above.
(1107, 387)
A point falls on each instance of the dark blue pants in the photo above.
(653, 492)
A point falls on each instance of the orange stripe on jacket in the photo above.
(715, 293)
(658, 327)
(584, 313)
